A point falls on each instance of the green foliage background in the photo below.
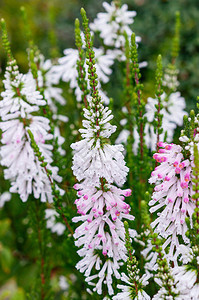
(52, 25)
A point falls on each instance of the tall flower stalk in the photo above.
(97, 166)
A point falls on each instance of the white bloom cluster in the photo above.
(126, 289)
(186, 275)
(113, 23)
(189, 142)
(173, 192)
(170, 79)
(47, 80)
(52, 224)
(172, 111)
(97, 166)
(67, 70)
(63, 284)
(20, 100)
(91, 161)
(5, 197)
(53, 95)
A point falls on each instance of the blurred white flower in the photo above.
(67, 70)
(5, 197)
(113, 23)
(52, 224)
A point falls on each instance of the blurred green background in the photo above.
(52, 25)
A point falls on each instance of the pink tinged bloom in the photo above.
(186, 200)
(172, 195)
(127, 192)
(76, 186)
(168, 147)
(181, 165)
(94, 235)
(161, 150)
(177, 170)
(184, 185)
(187, 177)
(175, 164)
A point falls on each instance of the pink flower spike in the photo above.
(90, 246)
(100, 212)
(79, 193)
(104, 252)
(86, 197)
(117, 213)
(89, 220)
(181, 221)
(167, 178)
(159, 176)
(170, 200)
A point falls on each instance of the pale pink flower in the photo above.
(172, 194)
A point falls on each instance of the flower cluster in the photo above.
(52, 224)
(113, 23)
(20, 101)
(172, 192)
(67, 70)
(97, 165)
(5, 197)
(127, 291)
(52, 94)
(47, 81)
(172, 111)
(186, 275)
(170, 79)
